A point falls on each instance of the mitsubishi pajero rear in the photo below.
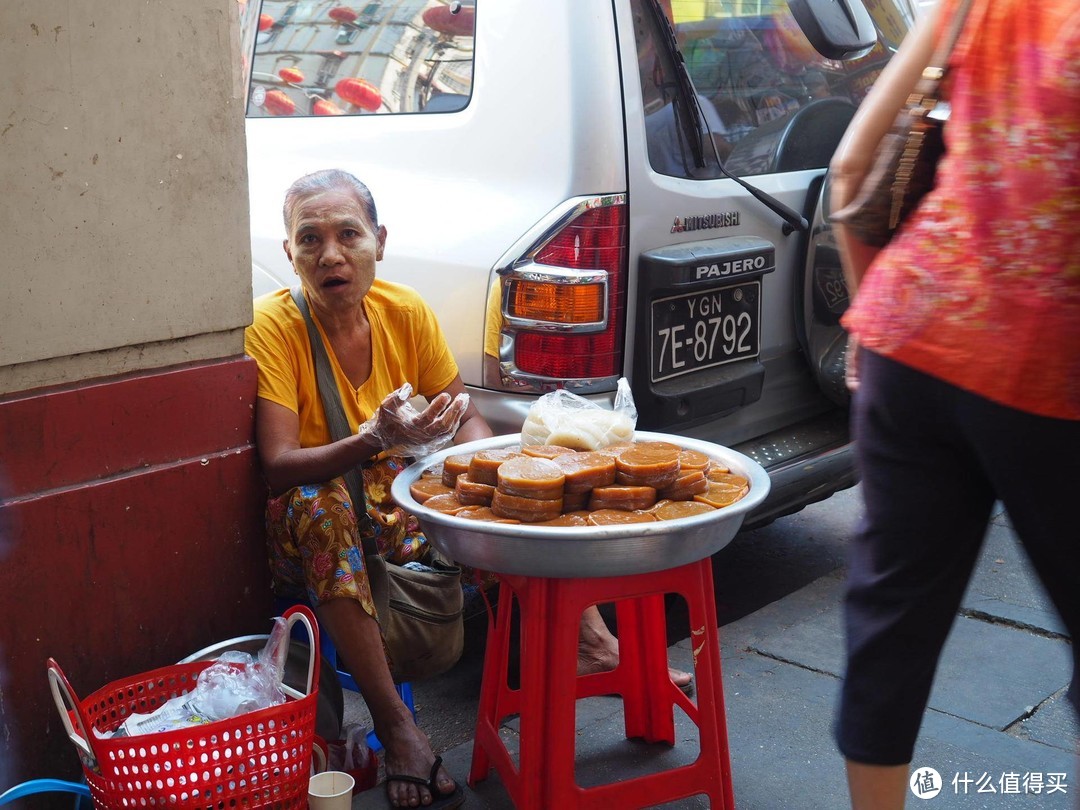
(590, 189)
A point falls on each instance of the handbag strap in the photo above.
(934, 74)
(336, 419)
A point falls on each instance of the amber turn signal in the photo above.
(558, 303)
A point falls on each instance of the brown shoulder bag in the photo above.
(905, 161)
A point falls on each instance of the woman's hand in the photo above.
(399, 427)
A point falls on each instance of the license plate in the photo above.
(695, 331)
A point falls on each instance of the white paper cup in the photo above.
(330, 790)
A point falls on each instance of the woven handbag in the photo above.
(421, 613)
(905, 161)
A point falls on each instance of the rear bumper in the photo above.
(806, 463)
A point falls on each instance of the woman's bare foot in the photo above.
(683, 680)
(588, 665)
(598, 650)
(408, 752)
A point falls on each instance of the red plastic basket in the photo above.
(258, 759)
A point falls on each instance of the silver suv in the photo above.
(589, 189)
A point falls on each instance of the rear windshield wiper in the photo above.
(690, 119)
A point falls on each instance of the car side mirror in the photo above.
(838, 29)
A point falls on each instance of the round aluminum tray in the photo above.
(591, 551)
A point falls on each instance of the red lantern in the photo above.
(324, 107)
(445, 22)
(277, 103)
(343, 14)
(266, 22)
(359, 92)
(291, 75)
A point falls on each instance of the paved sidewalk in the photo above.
(998, 714)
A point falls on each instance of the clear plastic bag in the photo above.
(352, 755)
(351, 752)
(236, 683)
(563, 418)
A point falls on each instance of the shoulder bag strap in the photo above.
(335, 418)
(934, 73)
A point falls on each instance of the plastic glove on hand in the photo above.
(397, 426)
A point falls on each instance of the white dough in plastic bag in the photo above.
(565, 419)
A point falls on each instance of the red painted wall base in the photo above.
(130, 537)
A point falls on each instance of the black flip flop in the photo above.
(439, 800)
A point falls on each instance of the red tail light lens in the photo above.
(568, 357)
(595, 240)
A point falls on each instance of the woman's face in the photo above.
(333, 246)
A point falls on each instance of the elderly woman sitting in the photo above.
(379, 336)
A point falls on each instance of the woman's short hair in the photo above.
(325, 180)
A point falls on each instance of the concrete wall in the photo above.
(130, 496)
(123, 212)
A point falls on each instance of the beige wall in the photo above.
(123, 204)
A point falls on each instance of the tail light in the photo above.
(564, 304)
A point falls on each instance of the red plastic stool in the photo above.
(550, 612)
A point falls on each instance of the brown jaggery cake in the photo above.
(622, 497)
(620, 517)
(483, 513)
(484, 467)
(423, 488)
(673, 510)
(546, 450)
(648, 464)
(586, 471)
(527, 510)
(685, 487)
(471, 493)
(530, 477)
(448, 503)
(720, 494)
(453, 466)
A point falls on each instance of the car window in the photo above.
(754, 71)
(313, 57)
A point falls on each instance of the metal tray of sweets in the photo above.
(588, 551)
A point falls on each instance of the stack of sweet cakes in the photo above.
(629, 482)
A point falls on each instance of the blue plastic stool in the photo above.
(329, 652)
(33, 786)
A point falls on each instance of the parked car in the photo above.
(590, 189)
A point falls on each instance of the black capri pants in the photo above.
(933, 459)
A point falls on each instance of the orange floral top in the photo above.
(982, 286)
